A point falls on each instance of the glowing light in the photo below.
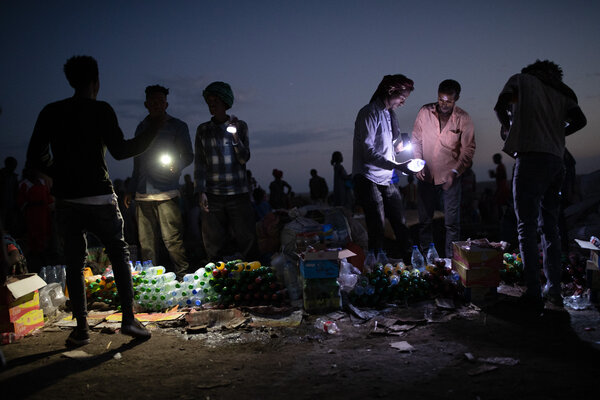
(416, 165)
(408, 147)
(166, 159)
(232, 129)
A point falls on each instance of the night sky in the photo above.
(300, 70)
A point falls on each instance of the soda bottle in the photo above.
(432, 254)
(417, 260)
(382, 258)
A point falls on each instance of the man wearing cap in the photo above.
(443, 136)
(221, 153)
(155, 182)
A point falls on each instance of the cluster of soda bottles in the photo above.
(512, 268)
(384, 282)
(222, 283)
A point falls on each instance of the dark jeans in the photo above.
(380, 202)
(229, 215)
(106, 223)
(536, 186)
(427, 195)
(162, 219)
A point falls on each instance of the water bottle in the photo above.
(417, 260)
(369, 261)
(432, 254)
(151, 271)
(325, 325)
(138, 266)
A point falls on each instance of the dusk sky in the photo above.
(300, 71)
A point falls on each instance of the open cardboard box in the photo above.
(20, 304)
(323, 263)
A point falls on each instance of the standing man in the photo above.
(544, 110)
(443, 136)
(318, 188)
(222, 150)
(374, 160)
(68, 143)
(155, 182)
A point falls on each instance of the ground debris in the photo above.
(403, 346)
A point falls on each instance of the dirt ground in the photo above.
(493, 352)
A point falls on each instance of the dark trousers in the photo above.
(427, 194)
(106, 223)
(380, 202)
(537, 182)
(158, 220)
(229, 215)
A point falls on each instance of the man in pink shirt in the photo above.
(443, 136)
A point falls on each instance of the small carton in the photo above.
(323, 263)
(19, 296)
(472, 255)
(591, 269)
(484, 277)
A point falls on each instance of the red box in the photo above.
(26, 324)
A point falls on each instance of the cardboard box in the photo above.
(20, 307)
(592, 270)
(485, 277)
(19, 296)
(26, 324)
(323, 263)
(473, 256)
(321, 296)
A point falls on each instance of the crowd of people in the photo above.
(66, 191)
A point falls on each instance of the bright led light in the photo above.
(231, 129)
(416, 164)
(408, 147)
(166, 159)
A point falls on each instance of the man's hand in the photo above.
(203, 202)
(127, 200)
(449, 180)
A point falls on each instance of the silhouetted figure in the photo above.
(374, 159)
(222, 151)
(9, 186)
(503, 193)
(68, 143)
(260, 203)
(252, 184)
(279, 191)
(342, 183)
(155, 183)
(37, 204)
(444, 137)
(543, 110)
(318, 188)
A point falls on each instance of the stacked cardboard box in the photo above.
(20, 311)
(478, 266)
(320, 270)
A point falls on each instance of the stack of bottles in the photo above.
(102, 288)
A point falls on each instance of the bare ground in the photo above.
(511, 356)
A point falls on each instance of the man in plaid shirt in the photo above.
(221, 153)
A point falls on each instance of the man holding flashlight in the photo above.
(155, 182)
(222, 150)
(443, 136)
(374, 160)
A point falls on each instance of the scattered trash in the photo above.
(325, 325)
(117, 356)
(470, 357)
(499, 361)
(402, 346)
(77, 354)
(482, 369)
(578, 302)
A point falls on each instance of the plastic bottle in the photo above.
(382, 258)
(417, 260)
(138, 266)
(370, 261)
(151, 271)
(325, 325)
(432, 254)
